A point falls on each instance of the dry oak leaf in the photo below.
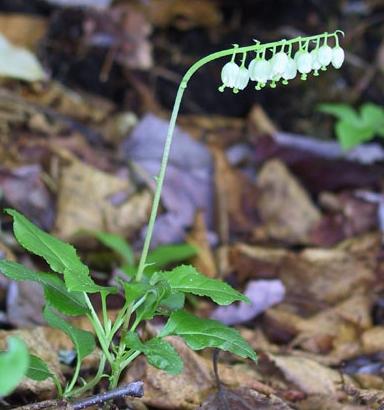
(90, 199)
(284, 206)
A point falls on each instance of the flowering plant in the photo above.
(68, 285)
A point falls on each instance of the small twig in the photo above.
(134, 389)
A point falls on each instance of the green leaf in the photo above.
(56, 294)
(174, 301)
(185, 278)
(157, 292)
(134, 290)
(343, 112)
(201, 333)
(117, 244)
(350, 135)
(158, 352)
(37, 369)
(83, 341)
(166, 254)
(60, 256)
(13, 365)
(373, 116)
(163, 355)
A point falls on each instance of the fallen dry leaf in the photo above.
(204, 261)
(37, 344)
(373, 340)
(308, 375)
(243, 399)
(189, 389)
(197, 13)
(23, 30)
(188, 184)
(284, 206)
(235, 197)
(90, 199)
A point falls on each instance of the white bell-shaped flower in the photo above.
(303, 61)
(242, 79)
(290, 71)
(260, 70)
(337, 57)
(324, 55)
(278, 63)
(316, 65)
(229, 74)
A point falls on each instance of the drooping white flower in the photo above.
(303, 61)
(316, 65)
(242, 79)
(337, 57)
(324, 55)
(229, 74)
(290, 71)
(278, 63)
(260, 70)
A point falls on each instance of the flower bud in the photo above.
(324, 55)
(337, 57)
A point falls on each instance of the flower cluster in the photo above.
(284, 64)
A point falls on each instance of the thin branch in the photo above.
(134, 389)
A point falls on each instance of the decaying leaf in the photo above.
(182, 15)
(284, 206)
(204, 260)
(308, 375)
(23, 30)
(189, 389)
(90, 199)
(188, 185)
(37, 344)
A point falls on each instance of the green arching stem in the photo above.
(172, 123)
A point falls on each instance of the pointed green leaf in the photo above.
(201, 333)
(83, 341)
(117, 244)
(56, 294)
(60, 256)
(350, 135)
(163, 355)
(134, 290)
(185, 278)
(174, 301)
(158, 352)
(372, 115)
(13, 365)
(37, 369)
(165, 254)
(343, 112)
